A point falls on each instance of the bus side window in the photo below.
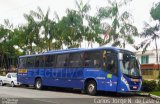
(50, 61)
(22, 62)
(39, 61)
(75, 60)
(92, 59)
(62, 60)
(111, 63)
(30, 62)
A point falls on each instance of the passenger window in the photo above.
(50, 61)
(75, 60)
(92, 59)
(39, 62)
(30, 62)
(22, 62)
(62, 60)
(111, 63)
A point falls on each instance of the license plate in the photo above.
(134, 87)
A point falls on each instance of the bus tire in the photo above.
(91, 87)
(38, 84)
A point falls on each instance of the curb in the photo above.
(154, 97)
(144, 94)
(150, 95)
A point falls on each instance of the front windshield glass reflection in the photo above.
(129, 65)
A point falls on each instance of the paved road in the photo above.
(21, 95)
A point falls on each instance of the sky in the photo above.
(14, 9)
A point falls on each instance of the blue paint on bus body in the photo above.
(76, 77)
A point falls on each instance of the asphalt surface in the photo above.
(29, 95)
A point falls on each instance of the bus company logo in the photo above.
(56, 73)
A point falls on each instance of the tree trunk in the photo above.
(30, 48)
(157, 54)
(49, 44)
(124, 44)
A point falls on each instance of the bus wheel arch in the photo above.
(38, 83)
(90, 86)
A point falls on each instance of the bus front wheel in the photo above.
(91, 87)
(38, 84)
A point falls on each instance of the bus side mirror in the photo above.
(120, 56)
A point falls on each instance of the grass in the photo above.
(157, 93)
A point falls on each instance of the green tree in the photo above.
(70, 32)
(46, 25)
(31, 31)
(7, 49)
(82, 11)
(155, 13)
(93, 30)
(151, 32)
(122, 30)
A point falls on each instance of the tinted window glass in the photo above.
(22, 62)
(30, 62)
(62, 60)
(75, 60)
(50, 61)
(110, 62)
(129, 65)
(39, 62)
(92, 59)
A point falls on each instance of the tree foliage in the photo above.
(122, 30)
(42, 33)
(155, 12)
(151, 33)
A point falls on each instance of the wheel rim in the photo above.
(38, 84)
(91, 88)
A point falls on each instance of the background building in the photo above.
(149, 66)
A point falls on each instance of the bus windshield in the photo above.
(129, 65)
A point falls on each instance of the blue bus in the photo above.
(90, 70)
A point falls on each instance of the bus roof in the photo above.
(72, 50)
